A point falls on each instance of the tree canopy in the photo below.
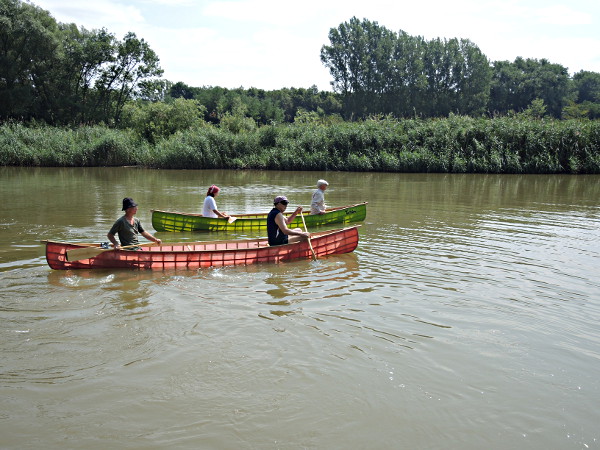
(62, 74)
(59, 73)
(380, 71)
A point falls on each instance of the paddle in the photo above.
(309, 243)
(77, 254)
(231, 219)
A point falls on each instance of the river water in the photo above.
(467, 318)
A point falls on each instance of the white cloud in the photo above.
(271, 44)
(112, 15)
(173, 3)
(563, 15)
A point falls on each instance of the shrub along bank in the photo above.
(456, 144)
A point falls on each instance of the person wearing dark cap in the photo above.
(277, 223)
(209, 208)
(129, 227)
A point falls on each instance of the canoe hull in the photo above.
(197, 255)
(175, 221)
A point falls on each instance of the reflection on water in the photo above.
(330, 276)
(467, 313)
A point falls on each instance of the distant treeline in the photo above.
(457, 144)
(379, 71)
(62, 74)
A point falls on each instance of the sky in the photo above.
(273, 44)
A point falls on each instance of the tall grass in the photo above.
(84, 146)
(455, 144)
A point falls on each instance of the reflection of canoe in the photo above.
(194, 255)
(174, 221)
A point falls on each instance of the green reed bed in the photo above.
(455, 144)
(22, 145)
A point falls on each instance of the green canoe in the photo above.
(175, 221)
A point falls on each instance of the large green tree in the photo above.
(379, 71)
(84, 56)
(587, 86)
(60, 74)
(360, 60)
(29, 39)
(516, 85)
(133, 62)
(587, 90)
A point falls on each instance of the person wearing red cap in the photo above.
(129, 227)
(277, 223)
(209, 208)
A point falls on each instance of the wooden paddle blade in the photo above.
(231, 219)
(77, 254)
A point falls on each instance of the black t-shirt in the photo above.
(276, 237)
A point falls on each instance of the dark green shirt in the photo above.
(128, 234)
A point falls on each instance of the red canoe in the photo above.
(194, 255)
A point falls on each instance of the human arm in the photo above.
(210, 208)
(150, 237)
(220, 214)
(291, 217)
(111, 238)
(282, 224)
(112, 233)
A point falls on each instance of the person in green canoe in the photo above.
(209, 207)
(317, 205)
(129, 227)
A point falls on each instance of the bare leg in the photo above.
(292, 239)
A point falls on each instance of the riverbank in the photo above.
(455, 145)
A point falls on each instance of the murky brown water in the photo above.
(467, 318)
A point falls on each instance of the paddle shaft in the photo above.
(77, 254)
(309, 242)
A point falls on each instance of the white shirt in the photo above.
(209, 206)
(318, 202)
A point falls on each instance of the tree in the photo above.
(378, 71)
(587, 91)
(29, 38)
(473, 79)
(409, 82)
(61, 74)
(154, 121)
(516, 85)
(360, 62)
(84, 55)
(575, 111)
(536, 110)
(134, 61)
(182, 90)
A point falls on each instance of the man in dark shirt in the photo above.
(129, 227)
(277, 223)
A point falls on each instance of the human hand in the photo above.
(298, 209)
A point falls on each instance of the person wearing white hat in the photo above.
(317, 206)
